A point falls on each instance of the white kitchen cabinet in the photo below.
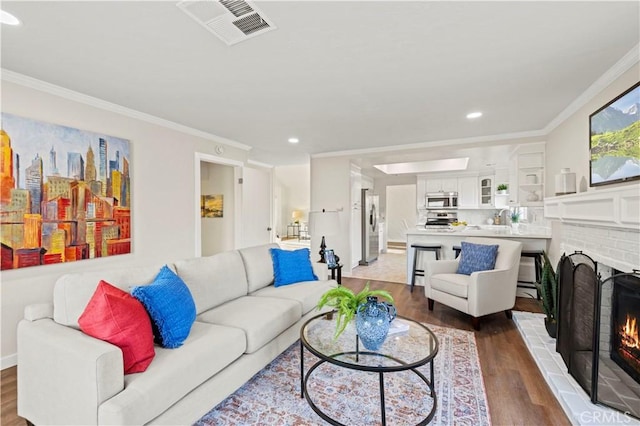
(468, 192)
(442, 184)
(487, 189)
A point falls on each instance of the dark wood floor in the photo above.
(516, 391)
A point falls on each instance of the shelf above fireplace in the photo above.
(612, 207)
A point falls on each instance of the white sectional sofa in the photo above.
(243, 322)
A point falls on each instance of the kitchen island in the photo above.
(450, 238)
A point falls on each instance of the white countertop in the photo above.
(502, 233)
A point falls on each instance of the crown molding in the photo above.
(43, 86)
(619, 68)
(423, 145)
(260, 164)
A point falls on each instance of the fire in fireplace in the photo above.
(629, 332)
(625, 345)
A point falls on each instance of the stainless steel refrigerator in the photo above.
(369, 225)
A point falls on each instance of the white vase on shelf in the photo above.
(533, 196)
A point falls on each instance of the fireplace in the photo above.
(625, 320)
(597, 336)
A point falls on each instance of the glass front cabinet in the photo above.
(486, 191)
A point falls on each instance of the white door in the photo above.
(256, 223)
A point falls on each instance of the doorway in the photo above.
(401, 212)
(246, 205)
(216, 177)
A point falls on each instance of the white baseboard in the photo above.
(8, 361)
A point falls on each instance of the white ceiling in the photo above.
(338, 75)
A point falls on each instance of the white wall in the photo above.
(400, 206)
(568, 144)
(330, 190)
(381, 184)
(218, 232)
(164, 203)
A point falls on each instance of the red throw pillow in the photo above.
(115, 316)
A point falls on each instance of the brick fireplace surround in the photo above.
(605, 225)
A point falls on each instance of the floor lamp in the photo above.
(325, 223)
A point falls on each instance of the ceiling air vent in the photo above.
(251, 24)
(232, 21)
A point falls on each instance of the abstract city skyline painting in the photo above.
(65, 194)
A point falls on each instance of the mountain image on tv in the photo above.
(612, 119)
(615, 140)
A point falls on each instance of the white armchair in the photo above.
(481, 293)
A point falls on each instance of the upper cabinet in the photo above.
(441, 184)
(468, 192)
(487, 187)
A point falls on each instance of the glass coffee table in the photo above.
(403, 351)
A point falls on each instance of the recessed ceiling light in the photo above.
(294, 140)
(9, 19)
(476, 114)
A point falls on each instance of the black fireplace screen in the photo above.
(598, 332)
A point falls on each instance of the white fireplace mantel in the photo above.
(611, 207)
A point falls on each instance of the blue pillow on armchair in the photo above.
(291, 266)
(477, 257)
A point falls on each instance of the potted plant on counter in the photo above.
(502, 188)
(515, 220)
(346, 303)
(548, 290)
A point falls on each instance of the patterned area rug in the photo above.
(272, 397)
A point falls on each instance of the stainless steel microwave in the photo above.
(441, 200)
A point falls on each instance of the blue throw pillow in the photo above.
(170, 305)
(477, 257)
(291, 266)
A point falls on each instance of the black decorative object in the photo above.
(323, 223)
(323, 246)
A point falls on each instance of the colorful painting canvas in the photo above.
(65, 195)
(212, 205)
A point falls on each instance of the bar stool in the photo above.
(417, 249)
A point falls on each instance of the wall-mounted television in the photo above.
(614, 140)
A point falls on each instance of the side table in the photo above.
(333, 270)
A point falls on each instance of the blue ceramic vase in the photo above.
(372, 322)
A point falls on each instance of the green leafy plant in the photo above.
(346, 303)
(502, 187)
(548, 289)
(515, 217)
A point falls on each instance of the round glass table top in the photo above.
(409, 347)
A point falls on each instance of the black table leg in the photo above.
(432, 375)
(301, 370)
(384, 415)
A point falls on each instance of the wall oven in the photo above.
(441, 200)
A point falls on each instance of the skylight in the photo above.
(443, 165)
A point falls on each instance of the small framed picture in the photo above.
(330, 258)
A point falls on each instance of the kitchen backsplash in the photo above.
(533, 217)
